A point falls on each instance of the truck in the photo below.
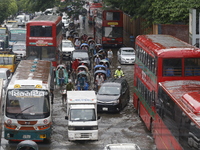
(82, 115)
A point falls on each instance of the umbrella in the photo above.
(84, 44)
(104, 61)
(82, 72)
(98, 66)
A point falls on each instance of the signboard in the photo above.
(113, 23)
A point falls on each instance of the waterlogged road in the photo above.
(123, 127)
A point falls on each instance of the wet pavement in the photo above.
(123, 127)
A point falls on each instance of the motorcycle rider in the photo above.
(119, 73)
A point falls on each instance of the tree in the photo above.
(40, 5)
(7, 8)
(157, 11)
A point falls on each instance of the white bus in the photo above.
(27, 113)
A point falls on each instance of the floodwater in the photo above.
(123, 127)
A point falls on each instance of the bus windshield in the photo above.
(82, 115)
(41, 31)
(113, 32)
(6, 60)
(42, 53)
(18, 36)
(27, 104)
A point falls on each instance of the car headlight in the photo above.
(123, 59)
(71, 128)
(116, 101)
(4, 83)
(95, 128)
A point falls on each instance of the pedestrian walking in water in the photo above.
(110, 55)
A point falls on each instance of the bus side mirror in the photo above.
(66, 117)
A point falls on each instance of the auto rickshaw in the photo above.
(27, 145)
(106, 63)
(65, 74)
(83, 81)
(99, 72)
(84, 46)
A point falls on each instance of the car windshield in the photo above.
(2, 75)
(128, 52)
(109, 90)
(82, 115)
(67, 44)
(19, 48)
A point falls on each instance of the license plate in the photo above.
(26, 136)
(105, 109)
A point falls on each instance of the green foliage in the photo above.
(40, 5)
(7, 8)
(157, 11)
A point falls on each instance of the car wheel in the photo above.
(120, 107)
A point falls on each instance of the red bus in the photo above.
(177, 121)
(92, 13)
(160, 58)
(44, 38)
(108, 29)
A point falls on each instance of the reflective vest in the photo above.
(119, 73)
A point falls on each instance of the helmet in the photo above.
(119, 67)
(69, 80)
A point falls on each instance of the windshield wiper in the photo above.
(24, 110)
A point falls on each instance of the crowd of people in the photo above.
(77, 78)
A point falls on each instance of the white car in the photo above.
(122, 146)
(126, 55)
(19, 49)
(67, 48)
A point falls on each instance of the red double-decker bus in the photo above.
(177, 121)
(92, 12)
(160, 58)
(44, 38)
(108, 29)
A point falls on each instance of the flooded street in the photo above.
(123, 127)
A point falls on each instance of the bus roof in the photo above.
(185, 94)
(31, 72)
(166, 46)
(46, 18)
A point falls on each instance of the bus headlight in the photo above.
(94, 128)
(9, 121)
(116, 102)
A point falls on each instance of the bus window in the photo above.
(112, 16)
(192, 67)
(41, 31)
(172, 67)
